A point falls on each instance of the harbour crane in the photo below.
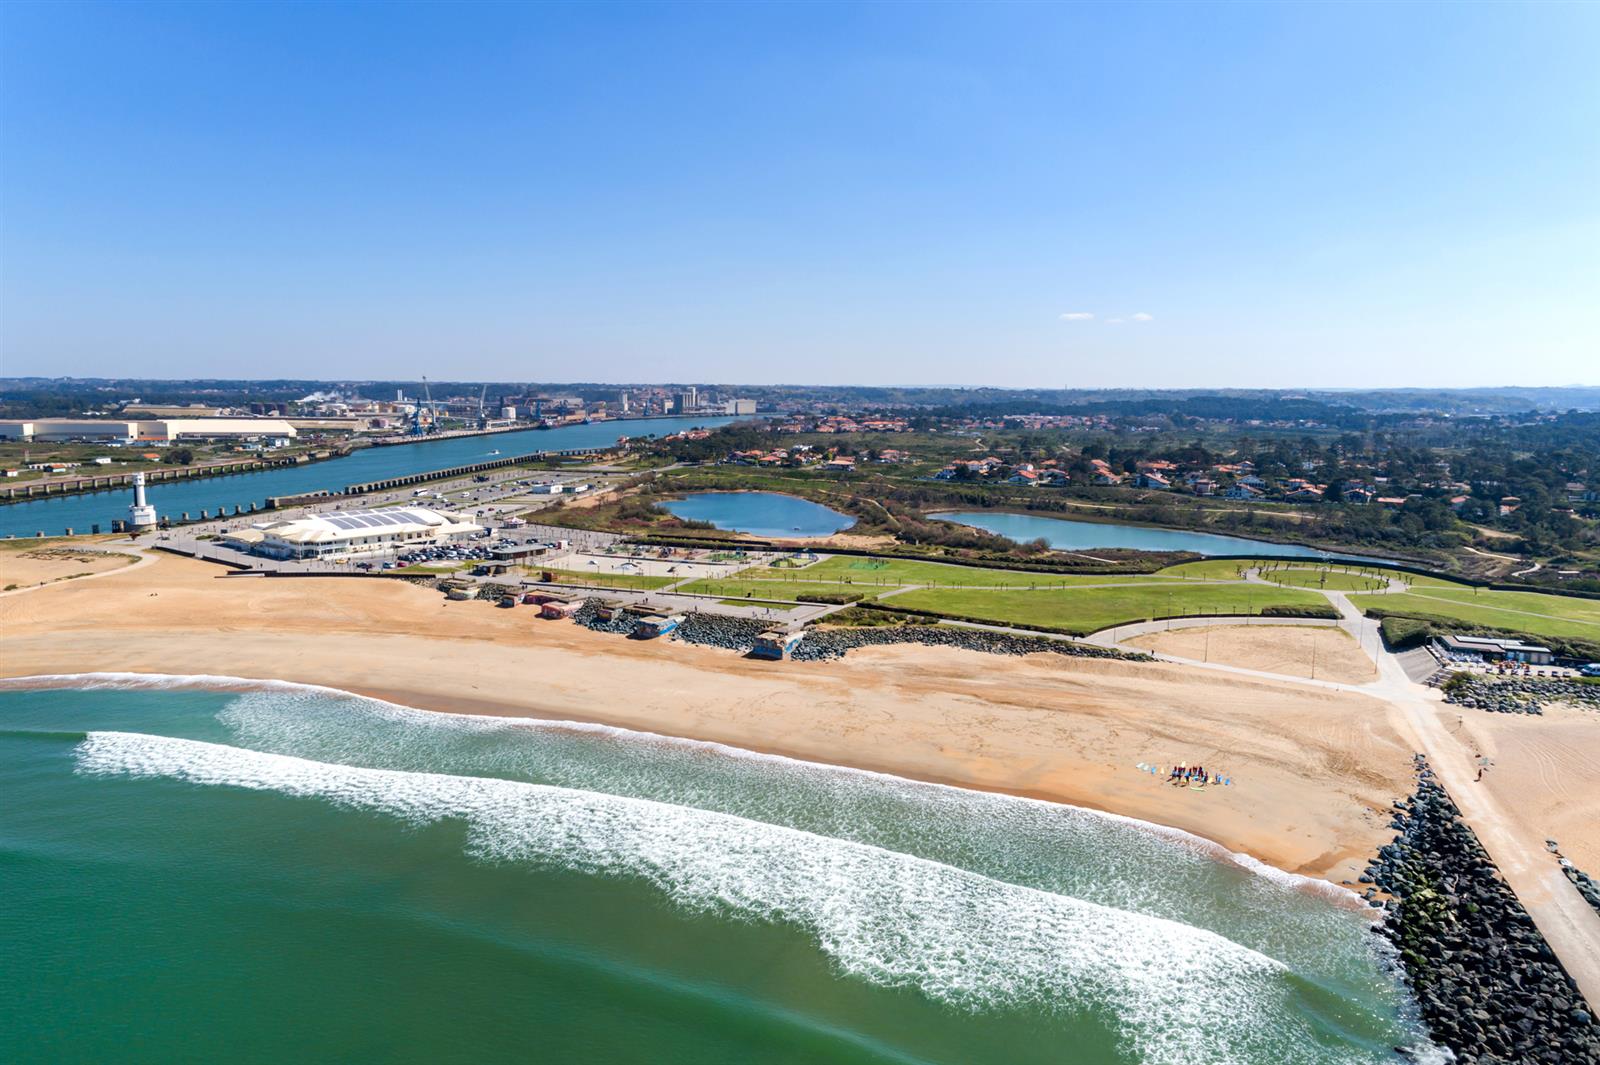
(416, 411)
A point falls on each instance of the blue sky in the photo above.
(1238, 195)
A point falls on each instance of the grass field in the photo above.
(896, 573)
(1220, 569)
(1292, 573)
(1528, 612)
(1331, 580)
(1084, 610)
(778, 589)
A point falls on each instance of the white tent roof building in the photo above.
(350, 533)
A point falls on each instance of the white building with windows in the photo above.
(358, 533)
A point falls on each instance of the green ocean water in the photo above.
(296, 875)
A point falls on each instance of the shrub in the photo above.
(1316, 610)
(1405, 632)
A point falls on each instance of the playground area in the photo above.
(680, 564)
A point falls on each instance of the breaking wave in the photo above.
(889, 918)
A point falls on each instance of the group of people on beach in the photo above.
(1195, 774)
(1186, 774)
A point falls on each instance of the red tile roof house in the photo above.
(1149, 479)
(1103, 473)
(1027, 477)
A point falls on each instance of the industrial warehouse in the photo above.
(157, 431)
(353, 534)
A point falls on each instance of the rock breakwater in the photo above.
(739, 634)
(1487, 984)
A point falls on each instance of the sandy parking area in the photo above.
(1325, 652)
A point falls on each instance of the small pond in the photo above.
(1067, 535)
(768, 514)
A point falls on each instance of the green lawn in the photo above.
(1301, 574)
(1084, 610)
(1528, 612)
(895, 573)
(1331, 580)
(771, 589)
(1221, 569)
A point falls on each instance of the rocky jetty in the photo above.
(588, 615)
(1488, 986)
(1587, 885)
(1516, 695)
(720, 630)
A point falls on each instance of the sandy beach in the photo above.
(1315, 770)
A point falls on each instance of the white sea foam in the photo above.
(885, 917)
(486, 723)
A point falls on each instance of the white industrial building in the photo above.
(155, 431)
(354, 533)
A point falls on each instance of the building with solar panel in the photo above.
(360, 533)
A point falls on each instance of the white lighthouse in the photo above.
(141, 515)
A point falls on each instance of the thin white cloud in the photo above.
(1143, 317)
(1077, 316)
